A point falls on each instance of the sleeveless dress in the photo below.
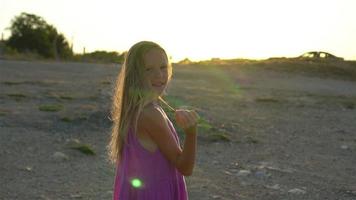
(144, 175)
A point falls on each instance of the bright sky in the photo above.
(200, 29)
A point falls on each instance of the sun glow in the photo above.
(200, 29)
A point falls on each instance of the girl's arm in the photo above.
(152, 120)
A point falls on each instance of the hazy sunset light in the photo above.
(200, 29)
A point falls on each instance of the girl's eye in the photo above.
(163, 67)
(148, 69)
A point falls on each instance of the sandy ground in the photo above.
(290, 136)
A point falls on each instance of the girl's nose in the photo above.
(158, 74)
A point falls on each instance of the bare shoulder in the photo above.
(152, 116)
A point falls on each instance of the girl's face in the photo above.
(156, 70)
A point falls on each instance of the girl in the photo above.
(144, 144)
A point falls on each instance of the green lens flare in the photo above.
(136, 183)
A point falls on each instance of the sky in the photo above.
(199, 29)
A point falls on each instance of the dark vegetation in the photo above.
(32, 38)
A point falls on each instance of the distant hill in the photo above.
(333, 68)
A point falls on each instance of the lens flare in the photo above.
(136, 183)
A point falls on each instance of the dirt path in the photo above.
(289, 136)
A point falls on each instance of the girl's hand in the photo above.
(187, 120)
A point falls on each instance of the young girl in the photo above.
(144, 145)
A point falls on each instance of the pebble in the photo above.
(274, 187)
(76, 196)
(243, 173)
(227, 172)
(28, 168)
(216, 196)
(262, 174)
(73, 142)
(344, 147)
(297, 191)
(60, 156)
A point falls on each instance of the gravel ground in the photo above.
(289, 136)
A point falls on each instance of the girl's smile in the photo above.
(156, 70)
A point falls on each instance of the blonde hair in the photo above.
(131, 95)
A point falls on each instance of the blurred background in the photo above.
(197, 30)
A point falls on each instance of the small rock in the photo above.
(76, 196)
(234, 170)
(28, 168)
(280, 169)
(227, 172)
(262, 174)
(344, 147)
(73, 143)
(60, 156)
(263, 165)
(274, 187)
(216, 196)
(351, 192)
(243, 173)
(297, 191)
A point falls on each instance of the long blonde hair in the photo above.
(131, 95)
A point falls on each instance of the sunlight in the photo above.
(201, 29)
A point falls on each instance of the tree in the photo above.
(32, 33)
(104, 56)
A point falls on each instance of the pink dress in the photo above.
(143, 175)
